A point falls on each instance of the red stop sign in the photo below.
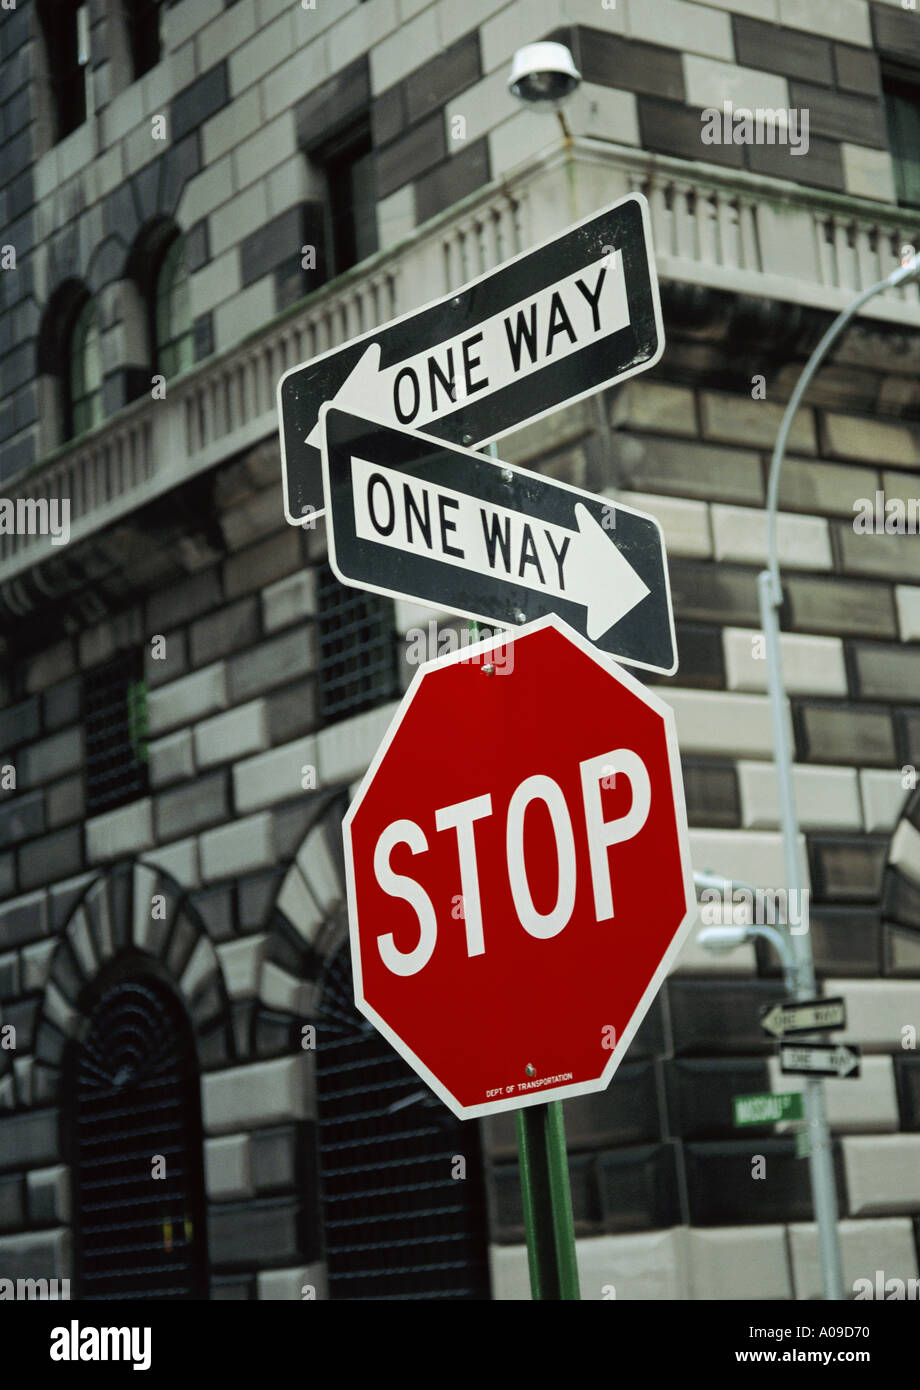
(518, 871)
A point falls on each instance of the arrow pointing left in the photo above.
(509, 346)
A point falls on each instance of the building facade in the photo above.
(196, 197)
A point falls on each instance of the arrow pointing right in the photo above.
(413, 517)
(491, 541)
(820, 1060)
(845, 1060)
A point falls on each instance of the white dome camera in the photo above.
(543, 75)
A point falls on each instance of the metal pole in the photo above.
(824, 1190)
(547, 1202)
(802, 972)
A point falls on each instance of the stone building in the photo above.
(194, 198)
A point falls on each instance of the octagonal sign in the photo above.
(518, 871)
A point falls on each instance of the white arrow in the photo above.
(601, 577)
(839, 1061)
(423, 518)
(564, 317)
(805, 1017)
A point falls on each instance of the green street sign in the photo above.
(767, 1108)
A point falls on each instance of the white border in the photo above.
(421, 309)
(496, 1107)
(428, 601)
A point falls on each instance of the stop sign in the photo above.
(518, 871)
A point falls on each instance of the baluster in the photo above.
(482, 253)
(729, 239)
(865, 257)
(825, 257)
(706, 228)
(750, 235)
(252, 383)
(844, 254)
(662, 226)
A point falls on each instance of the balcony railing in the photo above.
(728, 230)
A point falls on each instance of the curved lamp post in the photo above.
(824, 1190)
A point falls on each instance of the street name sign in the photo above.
(803, 1016)
(548, 327)
(768, 1108)
(412, 517)
(819, 1059)
(518, 872)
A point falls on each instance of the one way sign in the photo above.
(548, 327)
(819, 1059)
(414, 518)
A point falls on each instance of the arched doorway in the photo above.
(136, 1144)
(403, 1208)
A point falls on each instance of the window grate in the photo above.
(136, 1096)
(397, 1224)
(115, 719)
(357, 649)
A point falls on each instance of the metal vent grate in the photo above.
(357, 649)
(115, 705)
(135, 1097)
(397, 1224)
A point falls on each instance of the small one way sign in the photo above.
(550, 326)
(411, 517)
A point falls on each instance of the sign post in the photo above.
(547, 1202)
(481, 887)
(535, 903)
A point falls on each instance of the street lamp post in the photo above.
(824, 1190)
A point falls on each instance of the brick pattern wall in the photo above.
(248, 104)
(665, 1206)
(232, 724)
(658, 1149)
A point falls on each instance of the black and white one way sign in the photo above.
(548, 327)
(414, 518)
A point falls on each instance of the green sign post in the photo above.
(767, 1108)
(547, 1202)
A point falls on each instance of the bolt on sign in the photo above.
(519, 881)
(548, 327)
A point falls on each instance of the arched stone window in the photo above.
(403, 1203)
(155, 307)
(172, 319)
(136, 1141)
(85, 376)
(68, 366)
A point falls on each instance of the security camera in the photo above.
(543, 75)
